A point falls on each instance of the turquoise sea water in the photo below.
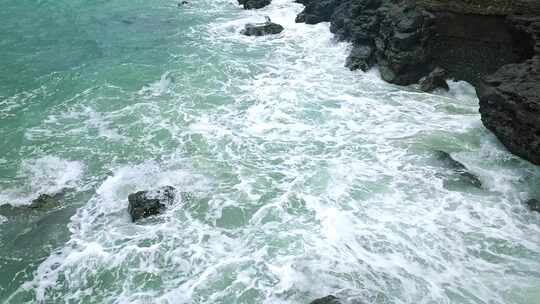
(307, 179)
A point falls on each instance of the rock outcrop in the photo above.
(261, 29)
(327, 300)
(459, 173)
(254, 4)
(510, 98)
(479, 41)
(435, 80)
(143, 204)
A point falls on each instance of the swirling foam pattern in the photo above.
(307, 179)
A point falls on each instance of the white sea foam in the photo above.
(48, 174)
(309, 180)
(160, 87)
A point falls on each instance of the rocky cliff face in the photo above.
(510, 98)
(470, 39)
(483, 7)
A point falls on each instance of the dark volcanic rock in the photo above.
(261, 29)
(470, 47)
(317, 10)
(301, 18)
(327, 300)
(435, 80)
(534, 205)
(254, 4)
(361, 57)
(510, 98)
(146, 203)
(410, 38)
(459, 169)
(510, 107)
(390, 34)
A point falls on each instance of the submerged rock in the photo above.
(42, 204)
(459, 169)
(260, 29)
(143, 204)
(300, 18)
(435, 80)
(254, 4)
(327, 300)
(46, 201)
(533, 204)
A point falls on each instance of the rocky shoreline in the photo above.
(491, 44)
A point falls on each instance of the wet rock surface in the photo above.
(435, 80)
(327, 300)
(254, 4)
(262, 29)
(510, 98)
(460, 173)
(361, 57)
(143, 204)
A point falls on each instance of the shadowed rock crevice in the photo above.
(254, 4)
(435, 80)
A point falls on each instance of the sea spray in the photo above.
(307, 179)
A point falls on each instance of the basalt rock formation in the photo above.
(254, 4)
(147, 203)
(510, 98)
(492, 44)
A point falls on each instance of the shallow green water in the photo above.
(307, 179)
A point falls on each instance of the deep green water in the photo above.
(307, 179)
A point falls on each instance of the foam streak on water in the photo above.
(307, 179)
